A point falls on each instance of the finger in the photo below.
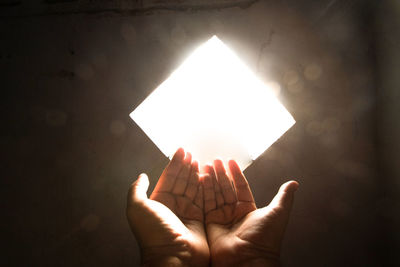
(243, 191)
(217, 189)
(224, 182)
(168, 177)
(199, 198)
(284, 198)
(138, 190)
(209, 194)
(181, 180)
(199, 201)
(193, 182)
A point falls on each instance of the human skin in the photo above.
(198, 220)
(169, 226)
(238, 233)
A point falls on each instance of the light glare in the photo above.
(214, 107)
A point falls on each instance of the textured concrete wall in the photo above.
(387, 29)
(72, 71)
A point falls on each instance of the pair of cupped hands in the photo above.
(207, 218)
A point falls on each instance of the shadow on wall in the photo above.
(73, 71)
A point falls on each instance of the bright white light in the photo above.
(214, 107)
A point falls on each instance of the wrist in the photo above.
(245, 257)
(164, 256)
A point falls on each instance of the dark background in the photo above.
(72, 71)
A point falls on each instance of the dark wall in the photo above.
(72, 71)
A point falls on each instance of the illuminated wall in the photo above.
(72, 71)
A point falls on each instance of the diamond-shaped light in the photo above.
(214, 107)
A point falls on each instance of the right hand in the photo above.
(238, 233)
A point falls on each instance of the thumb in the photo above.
(138, 190)
(284, 198)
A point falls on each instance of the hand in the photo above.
(169, 226)
(238, 233)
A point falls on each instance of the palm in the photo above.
(237, 231)
(172, 219)
(179, 189)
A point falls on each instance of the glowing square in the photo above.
(214, 107)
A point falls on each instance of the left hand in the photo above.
(169, 226)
